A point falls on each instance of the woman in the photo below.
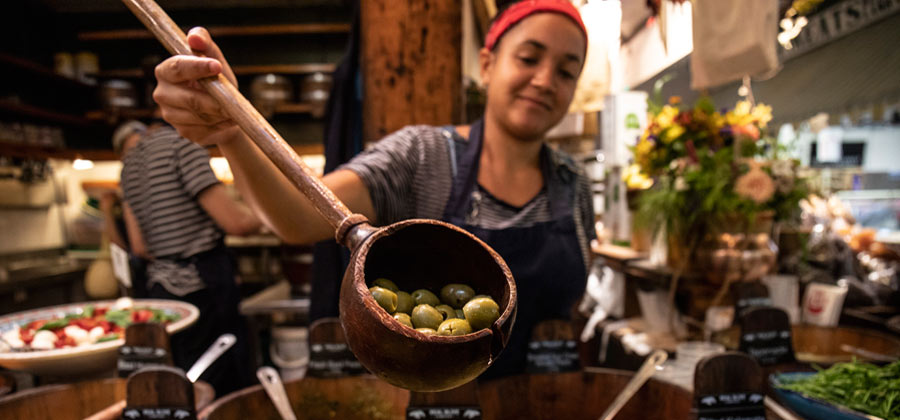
(495, 178)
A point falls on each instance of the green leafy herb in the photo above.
(119, 317)
(88, 311)
(55, 324)
(108, 337)
(860, 386)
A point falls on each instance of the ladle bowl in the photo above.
(429, 254)
(421, 253)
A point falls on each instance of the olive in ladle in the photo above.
(385, 298)
(481, 312)
(425, 316)
(456, 295)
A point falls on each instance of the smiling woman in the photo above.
(496, 178)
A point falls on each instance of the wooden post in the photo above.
(411, 63)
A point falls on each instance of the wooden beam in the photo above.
(412, 66)
(287, 29)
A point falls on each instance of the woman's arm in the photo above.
(135, 237)
(197, 116)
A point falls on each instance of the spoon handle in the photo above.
(637, 381)
(223, 343)
(271, 382)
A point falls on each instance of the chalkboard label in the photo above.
(768, 347)
(731, 406)
(749, 295)
(330, 360)
(158, 413)
(132, 358)
(552, 356)
(443, 413)
(766, 336)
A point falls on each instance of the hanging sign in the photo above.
(836, 21)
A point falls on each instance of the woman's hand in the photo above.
(184, 103)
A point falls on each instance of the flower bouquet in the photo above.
(718, 183)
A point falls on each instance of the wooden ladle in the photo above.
(413, 253)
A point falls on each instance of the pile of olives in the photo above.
(458, 311)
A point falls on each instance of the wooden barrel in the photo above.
(580, 395)
(349, 398)
(78, 400)
(828, 345)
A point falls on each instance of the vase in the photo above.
(732, 251)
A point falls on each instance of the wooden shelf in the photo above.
(35, 69)
(285, 68)
(43, 152)
(42, 114)
(225, 31)
(293, 108)
(124, 113)
(238, 70)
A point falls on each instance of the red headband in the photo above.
(523, 9)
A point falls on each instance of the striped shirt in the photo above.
(409, 175)
(161, 179)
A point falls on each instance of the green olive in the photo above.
(454, 326)
(425, 316)
(460, 314)
(404, 302)
(481, 312)
(429, 331)
(425, 297)
(403, 319)
(387, 284)
(446, 311)
(385, 298)
(456, 295)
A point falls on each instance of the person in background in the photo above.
(177, 214)
(112, 207)
(496, 178)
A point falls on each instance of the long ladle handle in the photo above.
(253, 124)
(271, 382)
(637, 381)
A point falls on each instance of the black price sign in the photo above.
(132, 358)
(158, 413)
(731, 406)
(330, 360)
(766, 336)
(768, 347)
(552, 356)
(443, 413)
(749, 295)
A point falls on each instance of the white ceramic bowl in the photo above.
(87, 358)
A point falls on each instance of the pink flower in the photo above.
(755, 185)
(748, 130)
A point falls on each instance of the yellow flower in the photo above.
(672, 133)
(644, 147)
(763, 114)
(717, 121)
(666, 116)
(740, 115)
(635, 179)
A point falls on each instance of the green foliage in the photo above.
(861, 386)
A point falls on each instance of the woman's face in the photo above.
(531, 74)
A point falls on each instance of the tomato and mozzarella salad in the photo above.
(91, 325)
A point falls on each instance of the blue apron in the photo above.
(545, 259)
